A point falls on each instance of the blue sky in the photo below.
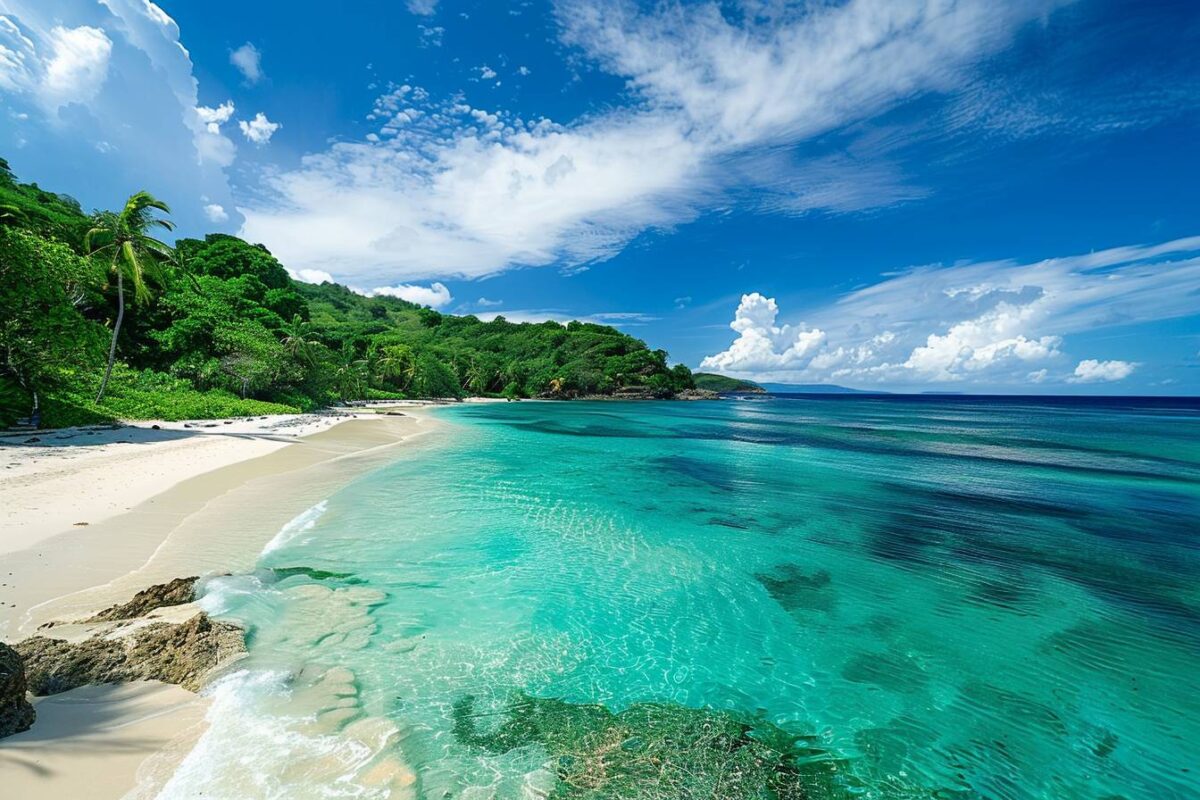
(964, 196)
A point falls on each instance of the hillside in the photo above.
(721, 383)
(216, 327)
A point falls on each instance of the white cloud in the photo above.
(216, 213)
(486, 72)
(77, 67)
(248, 61)
(1090, 371)
(761, 346)
(311, 276)
(994, 323)
(260, 129)
(436, 295)
(423, 8)
(214, 118)
(523, 70)
(437, 195)
(116, 72)
(483, 302)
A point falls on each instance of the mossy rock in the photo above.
(651, 751)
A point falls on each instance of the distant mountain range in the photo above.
(727, 385)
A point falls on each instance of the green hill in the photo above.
(221, 329)
(720, 383)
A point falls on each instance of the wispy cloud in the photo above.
(435, 191)
(995, 322)
(248, 61)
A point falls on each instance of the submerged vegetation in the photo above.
(652, 750)
(99, 320)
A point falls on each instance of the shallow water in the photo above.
(956, 597)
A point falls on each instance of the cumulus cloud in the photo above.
(216, 213)
(435, 295)
(311, 276)
(248, 61)
(993, 323)
(116, 73)
(761, 346)
(214, 118)
(1091, 371)
(67, 65)
(260, 129)
(77, 67)
(433, 192)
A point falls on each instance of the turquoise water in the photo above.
(952, 597)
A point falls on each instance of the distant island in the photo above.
(104, 321)
(814, 388)
(725, 385)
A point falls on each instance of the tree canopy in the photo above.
(227, 330)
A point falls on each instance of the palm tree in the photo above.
(135, 255)
(296, 342)
(350, 374)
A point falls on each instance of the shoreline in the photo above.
(193, 505)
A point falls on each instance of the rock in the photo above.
(183, 654)
(697, 394)
(175, 593)
(55, 665)
(16, 714)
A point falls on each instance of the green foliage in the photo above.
(52, 216)
(149, 395)
(652, 751)
(720, 383)
(220, 318)
(42, 331)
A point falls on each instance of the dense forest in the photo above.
(218, 328)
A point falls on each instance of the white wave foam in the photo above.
(303, 522)
(253, 748)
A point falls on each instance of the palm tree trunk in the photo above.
(112, 347)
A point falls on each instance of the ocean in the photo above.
(834, 596)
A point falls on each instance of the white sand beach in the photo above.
(88, 517)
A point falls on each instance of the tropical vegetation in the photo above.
(100, 320)
(722, 383)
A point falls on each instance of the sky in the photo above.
(947, 195)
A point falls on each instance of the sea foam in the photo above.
(301, 523)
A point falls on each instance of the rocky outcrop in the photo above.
(16, 714)
(697, 394)
(180, 653)
(175, 593)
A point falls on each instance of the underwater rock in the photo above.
(182, 654)
(175, 593)
(796, 590)
(16, 714)
(652, 751)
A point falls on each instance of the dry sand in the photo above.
(160, 504)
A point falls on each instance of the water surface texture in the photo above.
(948, 597)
